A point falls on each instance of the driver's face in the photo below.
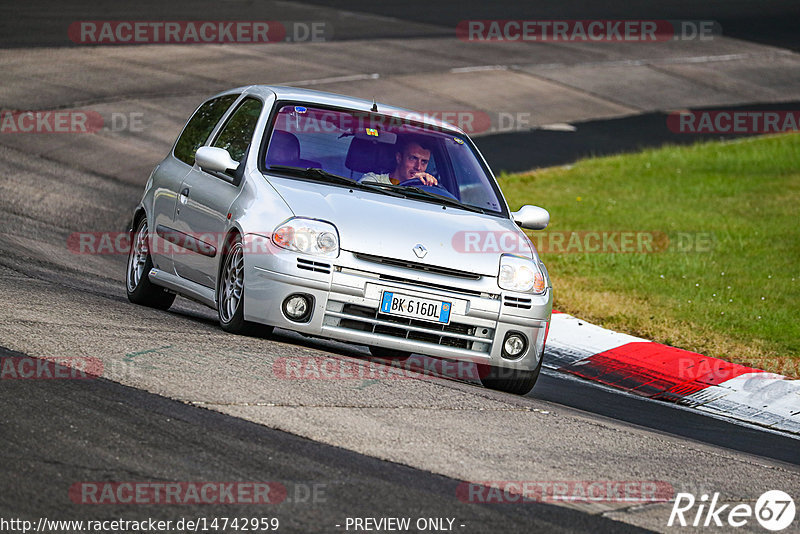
(414, 159)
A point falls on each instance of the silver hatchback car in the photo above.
(344, 219)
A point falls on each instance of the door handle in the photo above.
(184, 195)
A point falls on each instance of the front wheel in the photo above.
(515, 381)
(139, 287)
(230, 293)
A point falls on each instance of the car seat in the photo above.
(366, 155)
(284, 149)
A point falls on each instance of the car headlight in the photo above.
(518, 273)
(308, 236)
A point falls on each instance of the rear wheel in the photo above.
(139, 287)
(230, 293)
(516, 381)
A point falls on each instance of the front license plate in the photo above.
(404, 305)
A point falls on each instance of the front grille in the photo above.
(390, 278)
(315, 266)
(517, 302)
(446, 271)
(368, 319)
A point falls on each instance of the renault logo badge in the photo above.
(420, 251)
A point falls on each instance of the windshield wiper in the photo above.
(321, 174)
(422, 193)
(313, 172)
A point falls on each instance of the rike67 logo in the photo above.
(774, 510)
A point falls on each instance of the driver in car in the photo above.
(411, 163)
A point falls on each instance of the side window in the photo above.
(237, 133)
(200, 126)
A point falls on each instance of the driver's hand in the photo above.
(427, 179)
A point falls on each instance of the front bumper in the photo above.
(346, 294)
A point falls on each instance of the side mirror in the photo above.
(210, 158)
(531, 217)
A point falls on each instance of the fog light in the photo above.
(297, 307)
(514, 345)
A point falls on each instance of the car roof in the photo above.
(284, 92)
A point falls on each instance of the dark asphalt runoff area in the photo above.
(773, 23)
(546, 148)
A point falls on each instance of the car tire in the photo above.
(139, 287)
(389, 354)
(230, 293)
(515, 381)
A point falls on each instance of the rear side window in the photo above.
(200, 126)
(238, 131)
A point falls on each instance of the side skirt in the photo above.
(186, 288)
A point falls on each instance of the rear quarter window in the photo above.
(235, 136)
(200, 126)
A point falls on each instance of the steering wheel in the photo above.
(415, 182)
(438, 189)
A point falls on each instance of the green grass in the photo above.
(738, 299)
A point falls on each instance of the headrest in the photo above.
(365, 155)
(284, 149)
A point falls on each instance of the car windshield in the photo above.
(389, 153)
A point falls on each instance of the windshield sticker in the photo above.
(458, 140)
(300, 109)
(372, 132)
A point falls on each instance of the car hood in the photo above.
(391, 227)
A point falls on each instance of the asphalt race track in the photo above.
(180, 400)
(69, 430)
